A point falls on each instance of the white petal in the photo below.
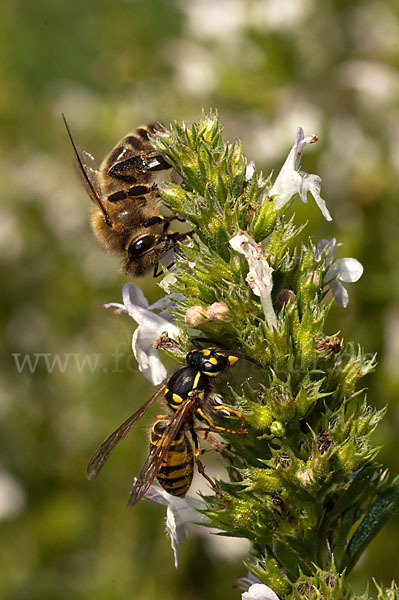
(156, 494)
(132, 294)
(119, 308)
(259, 591)
(286, 185)
(148, 319)
(312, 184)
(176, 525)
(173, 543)
(259, 276)
(187, 509)
(149, 363)
(167, 282)
(320, 247)
(250, 170)
(331, 244)
(163, 302)
(349, 269)
(300, 142)
(179, 512)
(340, 294)
(288, 181)
(243, 583)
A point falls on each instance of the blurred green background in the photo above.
(267, 66)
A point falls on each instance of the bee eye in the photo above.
(141, 246)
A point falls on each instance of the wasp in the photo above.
(126, 217)
(187, 393)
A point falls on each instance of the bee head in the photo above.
(144, 252)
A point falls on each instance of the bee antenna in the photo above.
(93, 193)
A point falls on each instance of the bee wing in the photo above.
(101, 454)
(157, 453)
(91, 169)
(89, 177)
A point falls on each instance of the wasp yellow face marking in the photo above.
(213, 360)
(232, 360)
(205, 352)
(208, 374)
(177, 399)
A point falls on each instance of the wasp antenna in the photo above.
(93, 193)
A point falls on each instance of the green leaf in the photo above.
(378, 514)
(358, 485)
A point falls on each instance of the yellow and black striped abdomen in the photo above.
(176, 472)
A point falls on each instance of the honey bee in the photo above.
(188, 395)
(126, 217)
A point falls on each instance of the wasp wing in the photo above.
(88, 180)
(101, 454)
(157, 453)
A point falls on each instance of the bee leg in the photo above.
(135, 191)
(217, 428)
(201, 468)
(161, 219)
(156, 220)
(178, 237)
(157, 271)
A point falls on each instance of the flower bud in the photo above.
(218, 311)
(305, 476)
(195, 315)
(277, 429)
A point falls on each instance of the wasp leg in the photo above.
(201, 468)
(221, 447)
(218, 428)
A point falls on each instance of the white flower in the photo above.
(151, 326)
(292, 181)
(259, 591)
(250, 170)
(167, 282)
(347, 270)
(12, 496)
(259, 276)
(244, 583)
(179, 511)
